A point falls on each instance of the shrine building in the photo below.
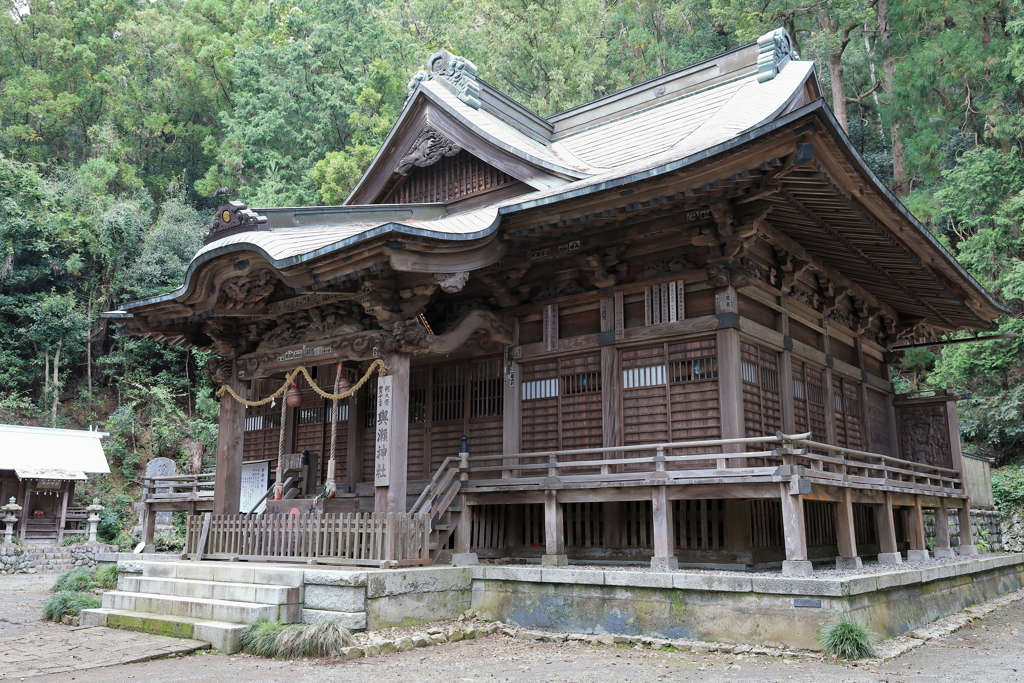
(654, 328)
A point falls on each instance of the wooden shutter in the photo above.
(262, 424)
(762, 407)
(848, 412)
(809, 400)
(670, 393)
(561, 404)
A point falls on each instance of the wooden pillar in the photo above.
(511, 442)
(611, 383)
(888, 553)
(612, 523)
(149, 527)
(942, 549)
(786, 375)
(227, 488)
(967, 546)
(664, 530)
(354, 449)
(26, 511)
(846, 533)
(794, 530)
(918, 551)
(63, 514)
(391, 488)
(554, 531)
(730, 377)
(737, 530)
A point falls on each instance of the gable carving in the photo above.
(442, 174)
(428, 148)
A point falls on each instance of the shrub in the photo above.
(291, 641)
(847, 639)
(74, 539)
(107, 577)
(70, 603)
(78, 579)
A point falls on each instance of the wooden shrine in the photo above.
(655, 327)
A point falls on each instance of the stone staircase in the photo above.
(202, 601)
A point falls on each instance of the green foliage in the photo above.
(847, 639)
(1008, 487)
(76, 580)
(106, 577)
(74, 539)
(293, 641)
(68, 603)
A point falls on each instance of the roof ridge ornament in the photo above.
(774, 51)
(455, 73)
(232, 218)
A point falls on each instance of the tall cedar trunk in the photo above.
(835, 68)
(835, 72)
(88, 351)
(900, 182)
(56, 385)
(46, 372)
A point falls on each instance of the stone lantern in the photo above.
(10, 519)
(94, 518)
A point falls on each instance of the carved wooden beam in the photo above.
(410, 336)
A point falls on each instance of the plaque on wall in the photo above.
(382, 440)
(255, 482)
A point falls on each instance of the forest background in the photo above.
(123, 123)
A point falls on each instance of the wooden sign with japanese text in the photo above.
(382, 440)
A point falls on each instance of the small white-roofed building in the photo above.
(39, 468)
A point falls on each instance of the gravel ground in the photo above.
(989, 649)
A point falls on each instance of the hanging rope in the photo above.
(330, 488)
(377, 364)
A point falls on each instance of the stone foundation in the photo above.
(42, 559)
(725, 607)
(986, 525)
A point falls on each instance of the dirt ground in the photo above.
(988, 650)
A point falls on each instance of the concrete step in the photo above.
(207, 609)
(212, 590)
(220, 635)
(226, 572)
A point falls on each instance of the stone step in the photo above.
(206, 609)
(213, 590)
(220, 635)
(226, 572)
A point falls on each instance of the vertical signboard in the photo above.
(382, 442)
(255, 481)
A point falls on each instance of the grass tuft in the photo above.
(292, 641)
(77, 579)
(69, 603)
(106, 577)
(259, 636)
(847, 639)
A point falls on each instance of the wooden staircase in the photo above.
(442, 501)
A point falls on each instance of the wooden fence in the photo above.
(368, 538)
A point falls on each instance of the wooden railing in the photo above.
(787, 455)
(178, 487)
(370, 538)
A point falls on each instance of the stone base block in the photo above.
(849, 563)
(221, 636)
(664, 564)
(93, 617)
(797, 568)
(918, 556)
(944, 553)
(966, 550)
(890, 558)
(353, 621)
(554, 560)
(465, 559)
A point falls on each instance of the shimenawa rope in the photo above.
(301, 369)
